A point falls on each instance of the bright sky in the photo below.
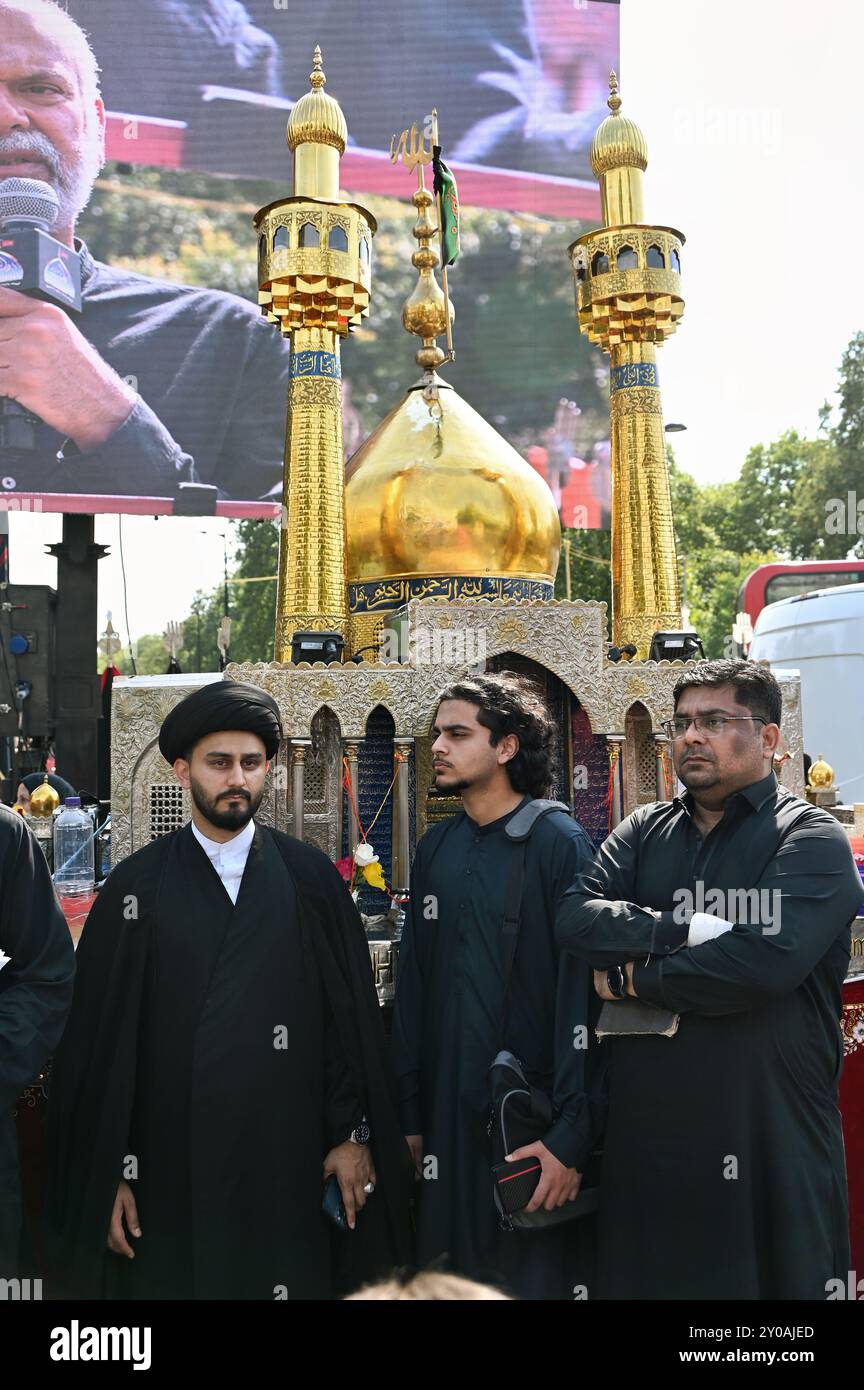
(753, 121)
(752, 114)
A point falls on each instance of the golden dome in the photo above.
(437, 492)
(317, 118)
(618, 142)
(821, 775)
(44, 799)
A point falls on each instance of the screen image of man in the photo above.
(154, 384)
(224, 1055)
(522, 82)
(190, 42)
(454, 1010)
(723, 1166)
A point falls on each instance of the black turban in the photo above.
(222, 705)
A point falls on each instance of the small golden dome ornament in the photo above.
(317, 118)
(618, 142)
(821, 775)
(619, 157)
(44, 800)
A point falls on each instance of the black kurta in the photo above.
(446, 1032)
(723, 1172)
(184, 1069)
(35, 994)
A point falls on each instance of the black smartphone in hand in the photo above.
(332, 1204)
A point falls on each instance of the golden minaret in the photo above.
(628, 298)
(314, 256)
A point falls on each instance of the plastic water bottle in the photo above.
(73, 851)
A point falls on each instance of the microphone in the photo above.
(33, 262)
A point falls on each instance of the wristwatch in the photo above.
(617, 981)
(362, 1134)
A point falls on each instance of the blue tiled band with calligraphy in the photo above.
(382, 595)
(633, 374)
(309, 363)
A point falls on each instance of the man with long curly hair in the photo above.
(493, 745)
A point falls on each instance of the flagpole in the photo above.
(451, 355)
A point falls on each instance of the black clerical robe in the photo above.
(35, 994)
(723, 1171)
(446, 1031)
(215, 1053)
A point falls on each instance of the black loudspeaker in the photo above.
(27, 660)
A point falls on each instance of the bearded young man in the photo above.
(153, 384)
(224, 1054)
(723, 1166)
(493, 741)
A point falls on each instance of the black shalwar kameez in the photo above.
(447, 1030)
(723, 1173)
(35, 996)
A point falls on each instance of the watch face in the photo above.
(361, 1133)
(616, 980)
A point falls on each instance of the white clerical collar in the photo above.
(226, 849)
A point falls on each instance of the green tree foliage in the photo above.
(710, 568)
(761, 509)
(714, 577)
(776, 509)
(837, 471)
(253, 605)
(151, 655)
(848, 433)
(590, 568)
(252, 610)
(200, 651)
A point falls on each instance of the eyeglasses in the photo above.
(712, 725)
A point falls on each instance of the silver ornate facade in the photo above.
(325, 710)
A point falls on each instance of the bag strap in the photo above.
(511, 920)
(518, 831)
(520, 825)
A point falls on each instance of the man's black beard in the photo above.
(455, 789)
(225, 817)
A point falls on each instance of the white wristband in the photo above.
(704, 927)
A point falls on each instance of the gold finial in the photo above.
(613, 100)
(316, 76)
(425, 311)
(317, 119)
(44, 800)
(618, 149)
(821, 775)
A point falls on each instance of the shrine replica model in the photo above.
(437, 548)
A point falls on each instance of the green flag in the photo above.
(445, 186)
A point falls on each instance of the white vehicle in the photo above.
(821, 634)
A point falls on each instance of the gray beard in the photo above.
(72, 179)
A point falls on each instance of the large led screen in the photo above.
(166, 391)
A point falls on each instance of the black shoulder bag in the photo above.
(521, 1112)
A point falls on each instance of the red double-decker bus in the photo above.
(785, 579)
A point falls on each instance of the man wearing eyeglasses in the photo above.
(724, 1173)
